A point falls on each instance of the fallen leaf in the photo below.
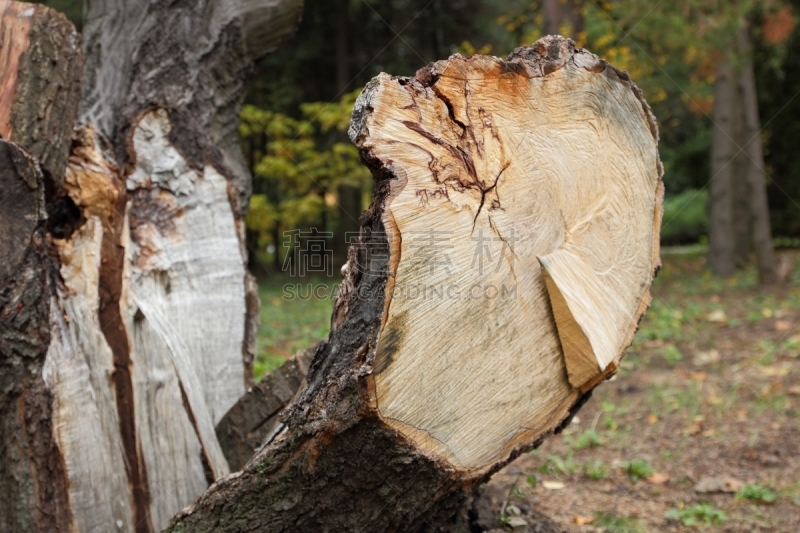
(782, 325)
(725, 484)
(718, 315)
(766, 312)
(583, 520)
(698, 376)
(708, 357)
(794, 390)
(552, 485)
(652, 419)
(774, 371)
(657, 478)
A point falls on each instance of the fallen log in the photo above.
(500, 273)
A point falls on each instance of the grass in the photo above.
(696, 515)
(757, 493)
(638, 469)
(290, 320)
(612, 523)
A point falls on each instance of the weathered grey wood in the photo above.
(342, 460)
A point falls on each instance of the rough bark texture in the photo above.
(338, 463)
(33, 481)
(247, 424)
(40, 64)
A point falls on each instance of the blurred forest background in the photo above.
(306, 172)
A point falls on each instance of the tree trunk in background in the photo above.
(128, 318)
(552, 16)
(349, 204)
(756, 177)
(557, 11)
(401, 419)
(741, 220)
(723, 149)
(40, 64)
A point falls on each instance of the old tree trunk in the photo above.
(126, 311)
(500, 273)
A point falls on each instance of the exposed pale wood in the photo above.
(412, 402)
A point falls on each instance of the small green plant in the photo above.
(703, 513)
(671, 354)
(611, 523)
(558, 465)
(757, 493)
(595, 470)
(588, 439)
(532, 481)
(637, 469)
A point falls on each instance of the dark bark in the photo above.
(40, 62)
(33, 482)
(248, 423)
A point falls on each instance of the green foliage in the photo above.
(612, 523)
(637, 469)
(588, 439)
(301, 164)
(757, 493)
(532, 480)
(696, 515)
(566, 465)
(287, 325)
(595, 470)
(671, 354)
(685, 217)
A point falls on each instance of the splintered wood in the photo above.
(523, 223)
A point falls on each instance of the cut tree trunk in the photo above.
(128, 315)
(500, 273)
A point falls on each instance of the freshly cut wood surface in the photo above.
(548, 174)
(426, 386)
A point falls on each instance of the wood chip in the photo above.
(553, 485)
(583, 520)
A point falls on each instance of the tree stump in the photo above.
(500, 273)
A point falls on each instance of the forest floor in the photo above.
(699, 430)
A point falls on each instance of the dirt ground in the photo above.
(704, 412)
